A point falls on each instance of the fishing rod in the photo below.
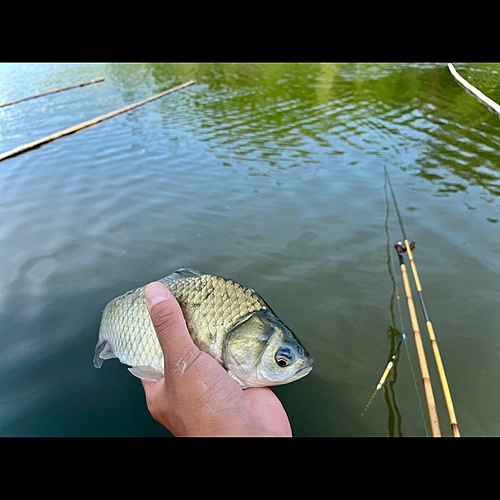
(407, 247)
(426, 380)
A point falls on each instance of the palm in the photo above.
(204, 385)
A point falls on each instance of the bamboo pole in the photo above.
(429, 395)
(88, 123)
(435, 348)
(476, 93)
(52, 92)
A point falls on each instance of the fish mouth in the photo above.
(260, 380)
(302, 372)
(305, 370)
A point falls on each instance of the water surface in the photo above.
(271, 174)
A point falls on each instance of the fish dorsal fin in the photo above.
(187, 272)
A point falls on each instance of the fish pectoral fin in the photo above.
(146, 373)
(103, 351)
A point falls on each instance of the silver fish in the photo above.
(226, 319)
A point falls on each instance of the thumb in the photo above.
(170, 326)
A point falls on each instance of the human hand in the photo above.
(197, 397)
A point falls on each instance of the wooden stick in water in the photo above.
(52, 92)
(88, 123)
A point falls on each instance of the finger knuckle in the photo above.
(163, 318)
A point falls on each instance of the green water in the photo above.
(273, 175)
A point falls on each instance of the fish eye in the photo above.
(284, 356)
(282, 361)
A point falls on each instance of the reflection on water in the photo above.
(268, 173)
(394, 415)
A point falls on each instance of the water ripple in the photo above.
(272, 174)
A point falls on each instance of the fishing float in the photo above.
(384, 375)
(407, 247)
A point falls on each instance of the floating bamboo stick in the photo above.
(476, 93)
(52, 92)
(88, 123)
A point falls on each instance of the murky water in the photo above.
(271, 174)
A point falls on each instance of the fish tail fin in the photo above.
(103, 351)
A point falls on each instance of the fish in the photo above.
(226, 319)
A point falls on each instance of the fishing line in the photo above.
(393, 357)
(413, 376)
(403, 336)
